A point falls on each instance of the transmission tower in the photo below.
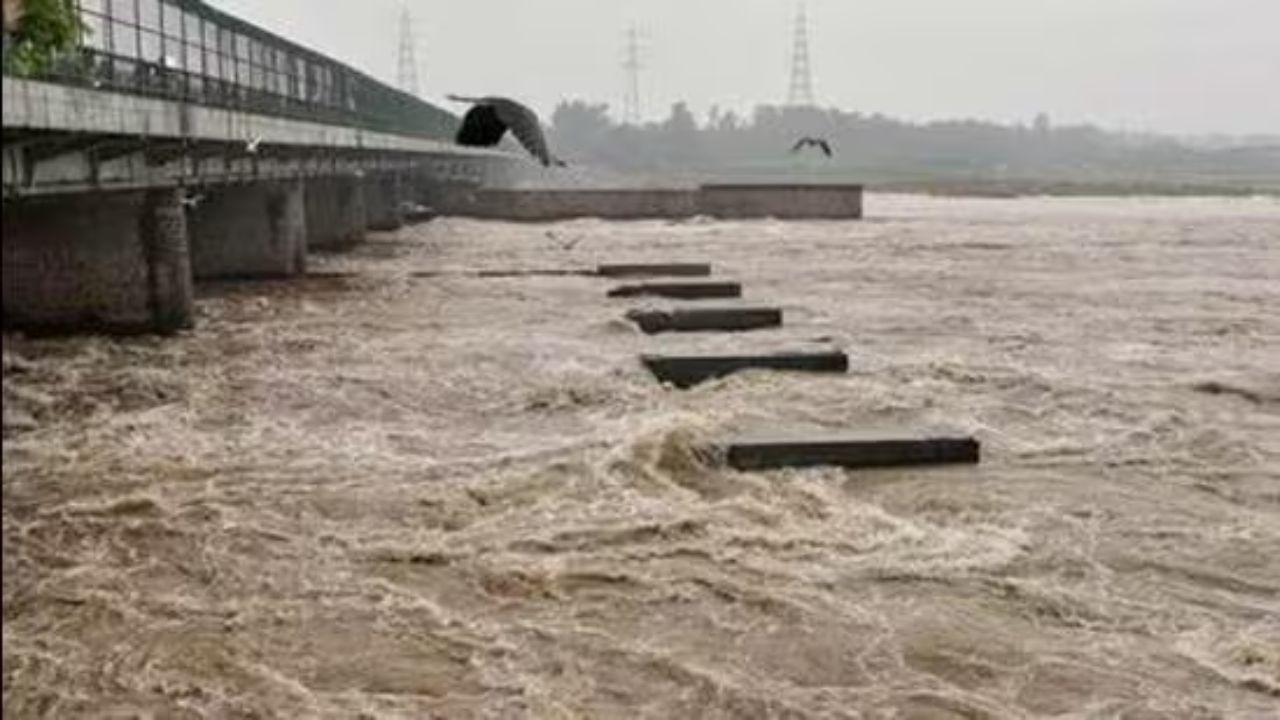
(407, 70)
(800, 93)
(631, 64)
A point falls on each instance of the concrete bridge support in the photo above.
(383, 195)
(113, 261)
(336, 216)
(252, 230)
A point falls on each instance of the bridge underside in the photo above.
(115, 204)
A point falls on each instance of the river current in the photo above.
(397, 489)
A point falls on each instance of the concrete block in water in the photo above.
(685, 372)
(414, 213)
(680, 290)
(705, 319)
(850, 450)
(655, 270)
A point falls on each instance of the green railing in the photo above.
(188, 51)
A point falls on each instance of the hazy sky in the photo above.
(1182, 66)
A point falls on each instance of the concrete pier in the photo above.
(167, 241)
(680, 290)
(850, 450)
(705, 319)
(685, 372)
(791, 201)
(250, 230)
(383, 198)
(113, 261)
(336, 215)
(619, 270)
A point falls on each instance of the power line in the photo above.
(800, 93)
(632, 66)
(407, 66)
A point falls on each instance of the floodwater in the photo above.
(377, 495)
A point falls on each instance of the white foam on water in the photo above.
(393, 496)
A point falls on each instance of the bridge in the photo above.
(177, 143)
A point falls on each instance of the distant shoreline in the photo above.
(1029, 188)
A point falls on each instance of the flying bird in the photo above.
(491, 117)
(819, 143)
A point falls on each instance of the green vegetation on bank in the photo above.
(949, 157)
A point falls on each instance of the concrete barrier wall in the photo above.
(564, 204)
(382, 197)
(723, 201)
(785, 202)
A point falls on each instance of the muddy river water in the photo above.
(375, 494)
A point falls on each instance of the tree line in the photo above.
(878, 149)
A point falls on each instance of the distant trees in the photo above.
(878, 148)
(581, 120)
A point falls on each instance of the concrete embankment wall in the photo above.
(532, 205)
(128, 259)
(722, 201)
(785, 202)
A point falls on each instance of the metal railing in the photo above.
(188, 51)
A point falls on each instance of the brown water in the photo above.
(397, 497)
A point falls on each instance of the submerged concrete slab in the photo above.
(680, 290)
(850, 450)
(687, 371)
(655, 270)
(705, 319)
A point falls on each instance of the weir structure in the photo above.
(783, 201)
(177, 143)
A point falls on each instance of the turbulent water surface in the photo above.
(386, 495)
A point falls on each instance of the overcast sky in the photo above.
(1180, 66)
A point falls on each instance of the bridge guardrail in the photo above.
(186, 50)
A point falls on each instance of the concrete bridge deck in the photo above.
(187, 144)
(181, 143)
(65, 138)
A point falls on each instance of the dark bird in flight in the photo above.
(819, 143)
(491, 117)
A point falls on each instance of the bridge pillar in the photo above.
(168, 243)
(116, 262)
(383, 194)
(335, 212)
(256, 230)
